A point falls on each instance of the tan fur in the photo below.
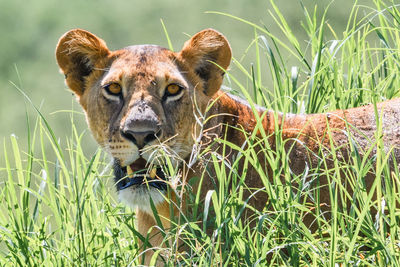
(145, 71)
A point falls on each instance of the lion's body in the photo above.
(141, 111)
(306, 138)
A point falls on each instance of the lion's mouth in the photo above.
(139, 174)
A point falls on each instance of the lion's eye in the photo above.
(173, 89)
(113, 89)
(173, 92)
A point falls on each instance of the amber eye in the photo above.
(113, 88)
(173, 89)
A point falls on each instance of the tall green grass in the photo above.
(59, 207)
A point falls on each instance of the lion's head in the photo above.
(140, 97)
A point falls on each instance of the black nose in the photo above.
(141, 138)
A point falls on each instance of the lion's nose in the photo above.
(141, 138)
(141, 124)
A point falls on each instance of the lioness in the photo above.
(143, 96)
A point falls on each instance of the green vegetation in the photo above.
(59, 207)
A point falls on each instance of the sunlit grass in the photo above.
(59, 207)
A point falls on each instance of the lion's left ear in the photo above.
(209, 54)
(78, 52)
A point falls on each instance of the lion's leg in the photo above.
(147, 227)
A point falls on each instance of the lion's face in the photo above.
(142, 100)
(137, 104)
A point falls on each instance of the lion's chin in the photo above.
(139, 197)
(137, 186)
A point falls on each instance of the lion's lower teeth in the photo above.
(129, 170)
(153, 173)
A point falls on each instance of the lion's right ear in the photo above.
(78, 52)
(208, 53)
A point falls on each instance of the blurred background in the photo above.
(30, 31)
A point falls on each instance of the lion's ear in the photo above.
(77, 53)
(209, 53)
